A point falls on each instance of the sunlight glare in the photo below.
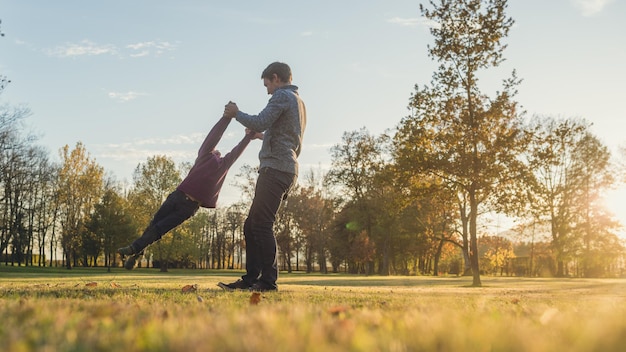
(616, 203)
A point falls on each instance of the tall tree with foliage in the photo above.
(550, 193)
(496, 251)
(456, 133)
(111, 223)
(12, 151)
(35, 193)
(571, 169)
(593, 172)
(311, 210)
(287, 232)
(199, 246)
(42, 208)
(437, 213)
(154, 180)
(245, 181)
(356, 163)
(235, 216)
(80, 187)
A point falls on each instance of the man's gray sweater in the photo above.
(283, 121)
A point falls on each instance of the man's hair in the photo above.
(281, 69)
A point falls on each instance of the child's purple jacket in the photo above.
(206, 177)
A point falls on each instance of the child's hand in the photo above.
(230, 110)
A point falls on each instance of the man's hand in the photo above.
(254, 134)
(230, 110)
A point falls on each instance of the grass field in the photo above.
(54, 309)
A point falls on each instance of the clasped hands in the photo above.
(230, 110)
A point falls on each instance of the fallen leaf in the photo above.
(91, 284)
(189, 288)
(338, 310)
(255, 298)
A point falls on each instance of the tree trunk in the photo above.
(437, 256)
(474, 241)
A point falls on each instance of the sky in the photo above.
(131, 79)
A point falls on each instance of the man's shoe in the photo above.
(237, 285)
(130, 262)
(259, 287)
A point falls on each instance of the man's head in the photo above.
(276, 75)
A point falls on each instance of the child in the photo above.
(200, 188)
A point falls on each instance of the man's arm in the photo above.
(275, 107)
(254, 134)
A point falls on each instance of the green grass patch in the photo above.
(90, 309)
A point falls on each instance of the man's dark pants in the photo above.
(261, 262)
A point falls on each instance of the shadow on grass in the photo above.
(209, 278)
(363, 281)
(60, 272)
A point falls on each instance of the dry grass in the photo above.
(144, 310)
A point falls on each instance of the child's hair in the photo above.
(281, 69)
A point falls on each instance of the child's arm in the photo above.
(214, 136)
(232, 156)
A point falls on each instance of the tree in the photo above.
(111, 223)
(43, 204)
(80, 187)
(438, 216)
(287, 232)
(593, 172)
(571, 169)
(199, 229)
(34, 177)
(310, 212)
(549, 192)
(245, 180)
(496, 251)
(235, 216)
(456, 133)
(153, 181)
(355, 164)
(13, 150)
(25, 180)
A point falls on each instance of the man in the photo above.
(200, 188)
(283, 121)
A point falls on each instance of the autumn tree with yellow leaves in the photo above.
(80, 186)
